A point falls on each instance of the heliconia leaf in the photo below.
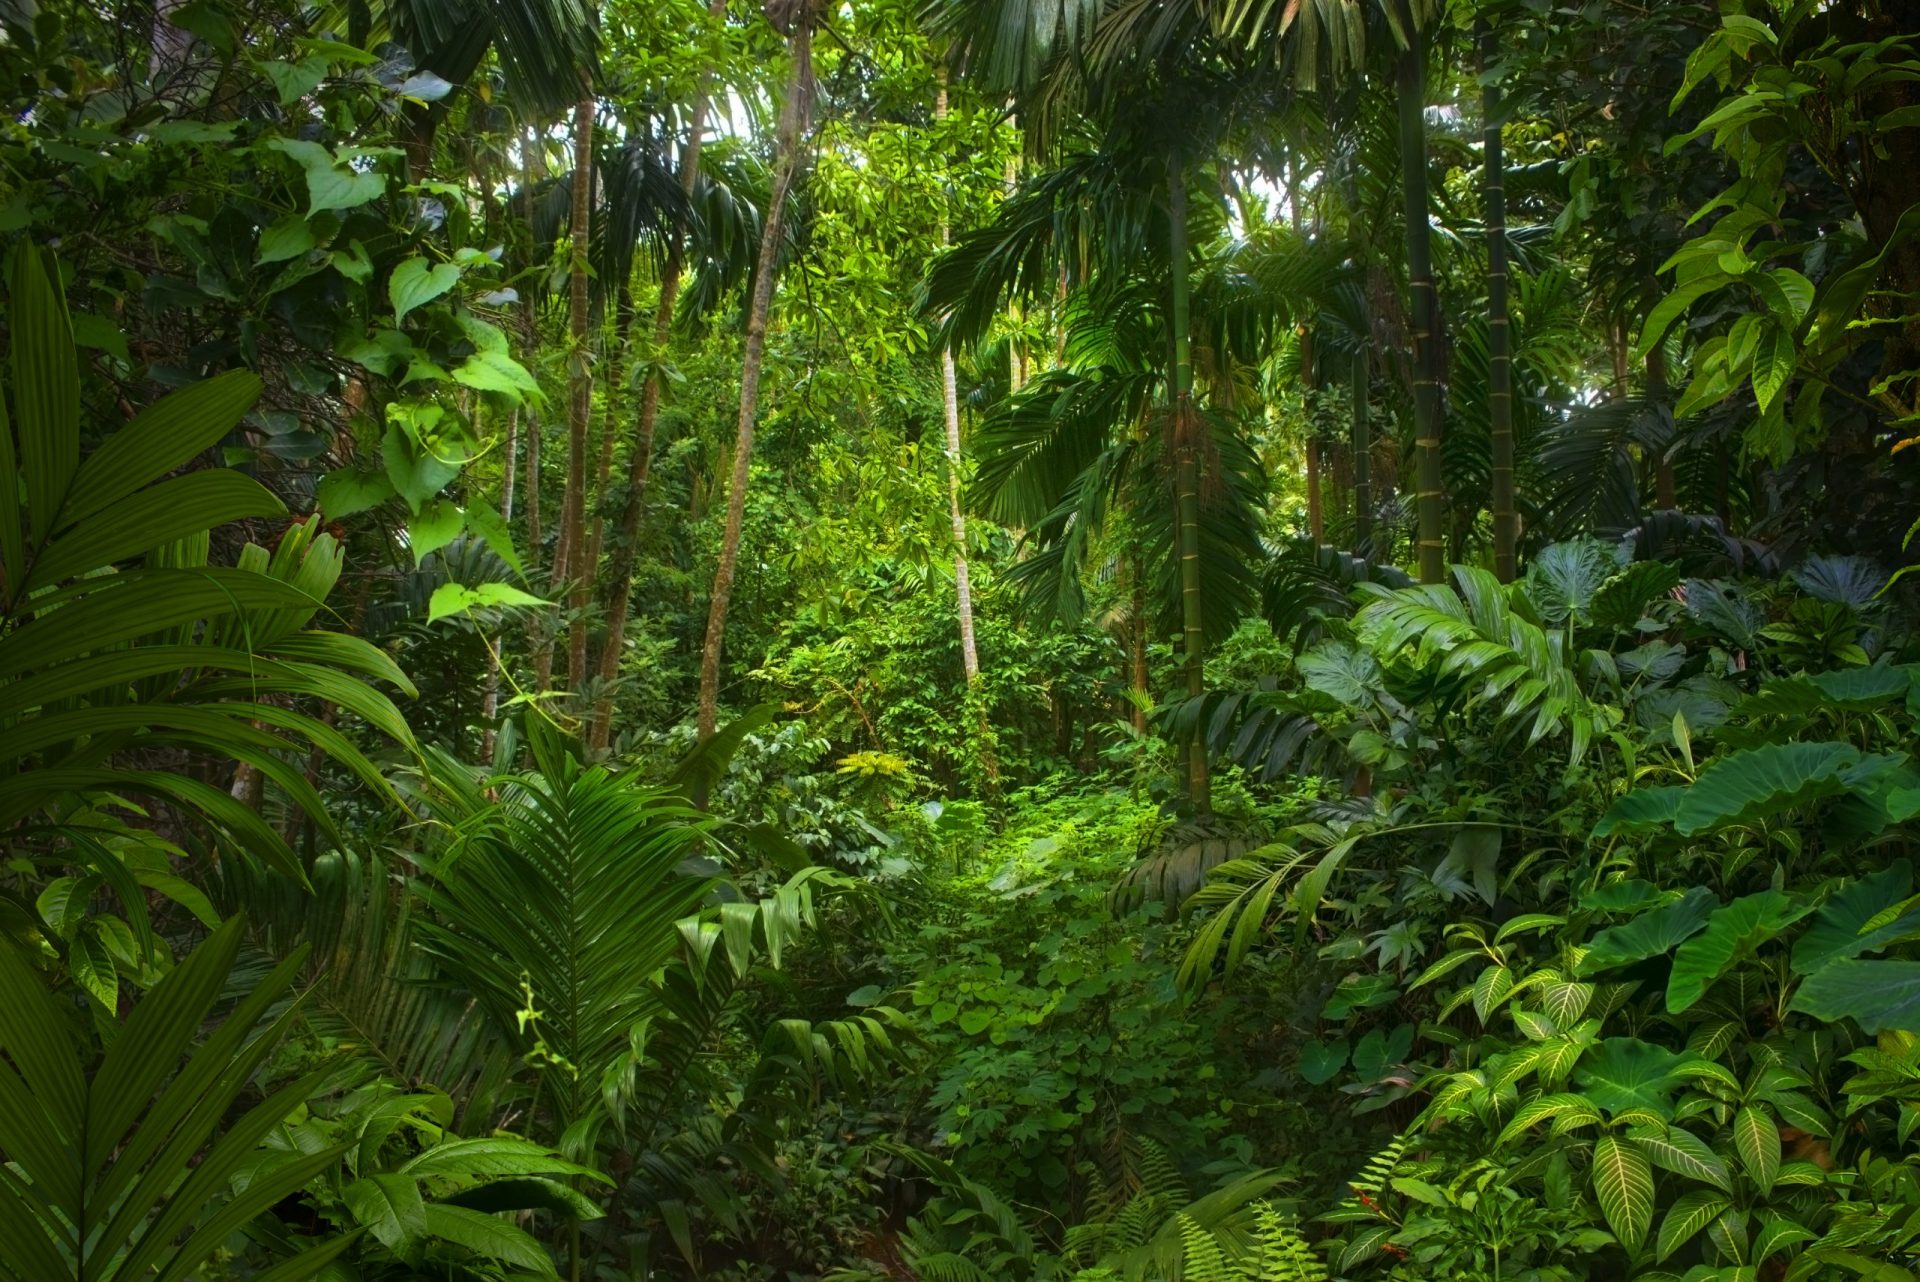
(389, 1207)
(1623, 1185)
(487, 1236)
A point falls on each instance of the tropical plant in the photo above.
(126, 1157)
(119, 641)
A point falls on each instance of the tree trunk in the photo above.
(626, 548)
(1137, 638)
(792, 120)
(1664, 496)
(490, 699)
(1430, 497)
(1316, 508)
(572, 566)
(1187, 426)
(622, 333)
(1499, 327)
(950, 400)
(1362, 456)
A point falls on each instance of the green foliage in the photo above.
(125, 1161)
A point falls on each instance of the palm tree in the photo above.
(796, 19)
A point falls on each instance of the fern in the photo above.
(1282, 1254)
(1201, 1257)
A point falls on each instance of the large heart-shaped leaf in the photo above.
(1650, 934)
(1876, 995)
(1840, 931)
(1625, 1074)
(1732, 933)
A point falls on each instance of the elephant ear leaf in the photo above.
(1651, 934)
(1877, 995)
(1849, 924)
(1732, 933)
(1752, 785)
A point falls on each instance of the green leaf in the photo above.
(291, 236)
(496, 371)
(1623, 1185)
(488, 1237)
(1877, 995)
(347, 493)
(493, 1155)
(454, 598)
(436, 524)
(1649, 935)
(415, 282)
(1757, 1140)
(1841, 932)
(1626, 1075)
(1753, 784)
(1676, 1149)
(293, 81)
(46, 392)
(1641, 808)
(1690, 1213)
(330, 183)
(1732, 934)
(527, 1193)
(484, 521)
(1788, 295)
(390, 1207)
(1773, 363)
(1321, 1060)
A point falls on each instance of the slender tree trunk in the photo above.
(1362, 455)
(1137, 636)
(1664, 495)
(950, 400)
(490, 700)
(539, 643)
(609, 418)
(573, 567)
(793, 116)
(1316, 508)
(626, 548)
(1499, 326)
(1187, 427)
(1430, 497)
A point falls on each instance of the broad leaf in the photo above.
(1651, 934)
(1732, 933)
(1877, 995)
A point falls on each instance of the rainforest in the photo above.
(959, 641)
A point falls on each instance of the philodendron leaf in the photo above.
(1877, 995)
(1650, 934)
(415, 282)
(1732, 933)
(1840, 931)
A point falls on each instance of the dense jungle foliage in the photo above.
(964, 640)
